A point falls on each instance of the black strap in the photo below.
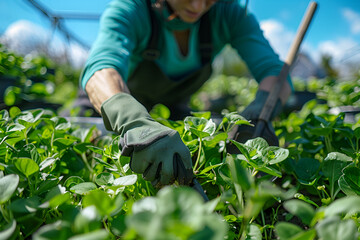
(152, 51)
(205, 43)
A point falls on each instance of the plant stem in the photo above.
(263, 222)
(5, 213)
(328, 144)
(83, 157)
(198, 156)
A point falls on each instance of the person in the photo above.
(160, 51)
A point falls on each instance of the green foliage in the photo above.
(30, 82)
(59, 181)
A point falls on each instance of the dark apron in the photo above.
(150, 86)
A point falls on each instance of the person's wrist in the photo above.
(120, 109)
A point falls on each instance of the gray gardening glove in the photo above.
(152, 147)
(252, 112)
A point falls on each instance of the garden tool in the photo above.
(263, 123)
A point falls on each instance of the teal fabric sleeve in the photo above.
(243, 32)
(125, 30)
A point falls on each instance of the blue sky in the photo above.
(335, 28)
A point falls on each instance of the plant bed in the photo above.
(62, 181)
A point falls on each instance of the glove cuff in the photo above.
(253, 111)
(120, 109)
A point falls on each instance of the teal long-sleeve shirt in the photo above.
(125, 30)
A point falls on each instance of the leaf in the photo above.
(334, 164)
(237, 119)
(305, 235)
(126, 180)
(8, 185)
(63, 126)
(306, 169)
(81, 148)
(47, 162)
(59, 200)
(300, 209)
(269, 170)
(352, 178)
(15, 127)
(213, 140)
(239, 174)
(160, 111)
(95, 149)
(345, 187)
(258, 143)
(57, 230)
(27, 166)
(357, 132)
(322, 131)
(100, 200)
(87, 220)
(83, 188)
(208, 168)
(335, 228)
(104, 179)
(242, 148)
(346, 205)
(4, 115)
(254, 233)
(73, 180)
(201, 127)
(206, 114)
(63, 142)
(280, 154)
(25, 205)
(14, 111)
(286, 230)
(9, 230)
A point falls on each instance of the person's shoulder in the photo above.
(133, 10)
(128, 5)
(230, 13)
(228, 6)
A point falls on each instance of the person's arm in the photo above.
(153, 148)
(104, 84)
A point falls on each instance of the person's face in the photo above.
(190, 10)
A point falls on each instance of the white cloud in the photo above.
(353, 18)
(341, 50)
(279, 37)
(344, 51)
(25, 37)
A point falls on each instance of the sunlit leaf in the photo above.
(83, 188)
(300, 209)
(8, 230)
(27, 166)
(8, 185)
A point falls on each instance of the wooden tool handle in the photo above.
(275, 91)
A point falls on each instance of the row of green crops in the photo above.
(35, 81)
(59, 181)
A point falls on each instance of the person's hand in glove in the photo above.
(156, 151)
(252, 112)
